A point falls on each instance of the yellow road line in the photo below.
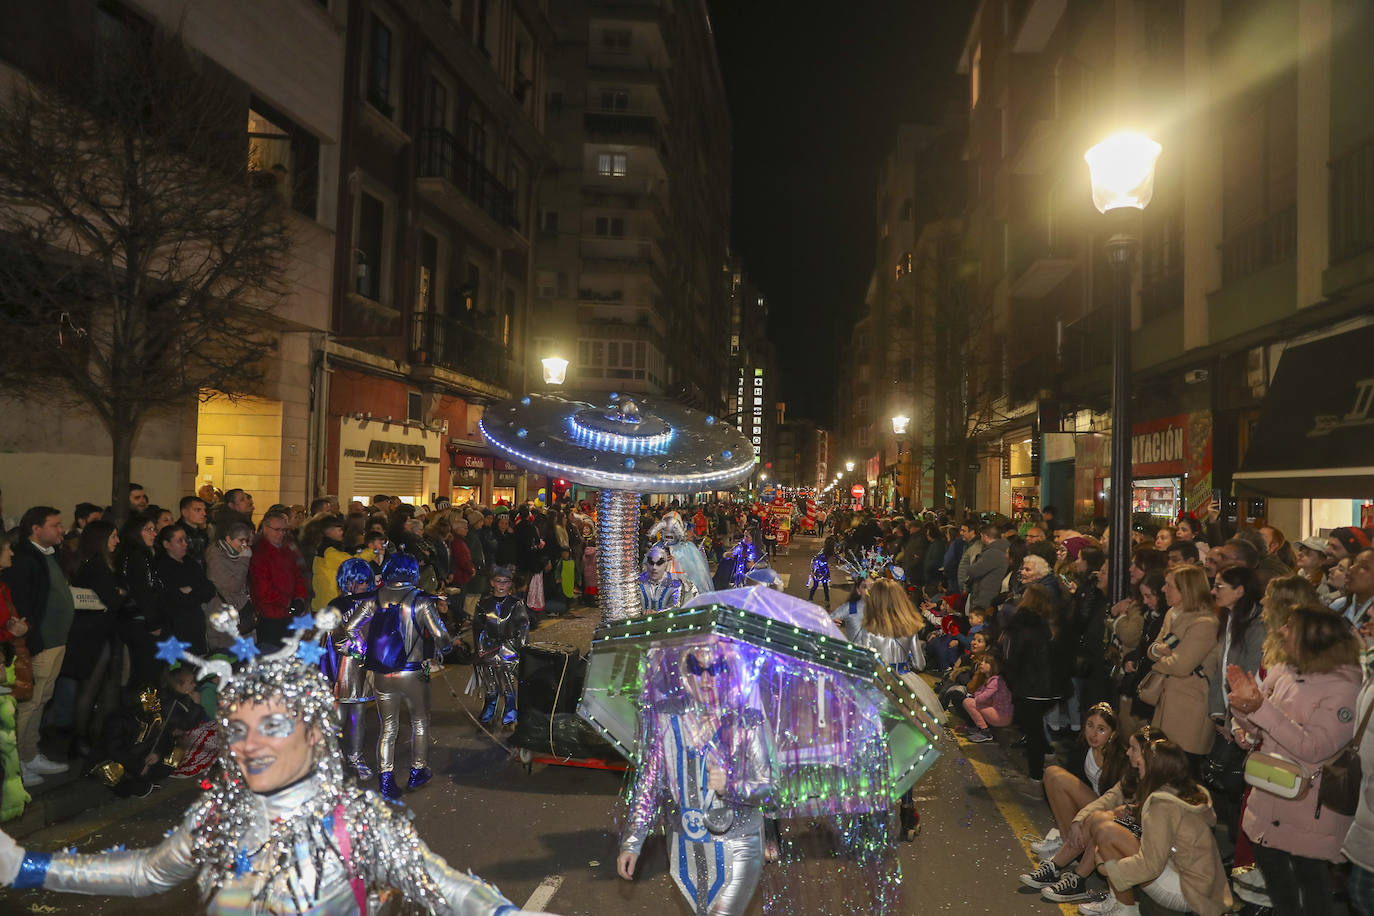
(1009, 806)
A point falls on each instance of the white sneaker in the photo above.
(43, 766)
(1109, 907)
(1046, 848)
(27, 776)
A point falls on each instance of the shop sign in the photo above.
(1157, 446)
(464, 475)
(467, 460)
(504, 465)
(384, 452)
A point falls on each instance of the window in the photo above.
(379, 67)
(371, 231)
(546, 284)
(864, 372)
(436, 114)
(863, 435)
(616, 41)
(610, 227)
(861, 407)
(415, 410)
(613, 359)
(975, 76)
(508, 317)
(548, 222)
(284, 156)
(429, 271)
(611, 165)
(615, 100)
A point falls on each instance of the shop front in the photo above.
(1020, 471)
(505, 479)
(469, 476)
(1171, 463)
(400, 461)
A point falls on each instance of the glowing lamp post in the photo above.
(849, 466)
(900, 422)
(1122, 168)
(555, 370)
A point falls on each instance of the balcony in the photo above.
(1271, 241)
(1161, 295)
(630, 10)
(1038, 267)
(654, 201)
(1087, 345)
(642, 70)
(623, 257)
(453, 180)
(625, 129)
(480, 363)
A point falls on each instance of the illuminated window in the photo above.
(974, 75)
(611, 165)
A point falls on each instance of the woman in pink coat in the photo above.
(1304, 712)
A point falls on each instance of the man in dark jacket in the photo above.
(1026, 646)
(987, 569)
(43, 599)
(192, 521)
(237, 507)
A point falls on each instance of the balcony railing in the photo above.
(442, 155)
(457, 345)
(1087, 343)
(1271, 241)
(623, 127)
(1352, 202)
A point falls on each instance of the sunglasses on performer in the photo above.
(658, 562)
(719, 666)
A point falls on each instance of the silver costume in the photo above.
(715, 845)
(317, 881)
(404, 636)
(500, 626)
(668, 592)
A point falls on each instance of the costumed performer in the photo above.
(820, 572)
(659, 589)
(404, 640)
(342, 659)
(742, 556)
(279, 828)
(707, 766)
(689, 562)
(500, 626)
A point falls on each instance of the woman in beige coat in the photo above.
(1187, 653)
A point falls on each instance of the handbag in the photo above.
(1341, 774)
(1224, 769)
(1276, 775)
(1150, 688)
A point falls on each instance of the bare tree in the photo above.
(139, 264)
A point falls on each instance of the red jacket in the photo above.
(274, 579)
(463, 568)
(7, 611)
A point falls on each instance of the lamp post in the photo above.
(555, 370)
(1122, 168)
(900, 422)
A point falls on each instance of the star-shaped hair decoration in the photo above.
(310, 652)
(302, 623)
(243, 862)
(244, 649)
(170, 650)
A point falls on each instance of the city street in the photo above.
(545, 836)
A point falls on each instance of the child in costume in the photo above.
(820, 572)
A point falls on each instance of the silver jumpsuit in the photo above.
(316, 882)
(717, 872)
(668, 592)
(397, 661)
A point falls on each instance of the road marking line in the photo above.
(543, 893)
(1010, 809)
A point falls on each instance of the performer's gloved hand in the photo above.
(11, 857)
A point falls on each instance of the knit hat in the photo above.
(1352, 539)
(502, 572)
(1074, 545)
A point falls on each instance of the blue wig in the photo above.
(401, 569)
(354, 572)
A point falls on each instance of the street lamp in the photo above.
(849, 466)
(900, 422)
(555, 370)
(1122, 169)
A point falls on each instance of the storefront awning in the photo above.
(1315, 437)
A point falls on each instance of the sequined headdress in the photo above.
(870, 564)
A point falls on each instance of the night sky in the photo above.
(816, 92)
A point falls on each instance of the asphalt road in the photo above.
(546, 834)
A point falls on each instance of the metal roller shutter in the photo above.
(405, 481)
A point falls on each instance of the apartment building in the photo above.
(630, 278)
(1253, 261)
(289, 133)
(442, 150)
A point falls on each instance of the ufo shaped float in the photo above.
(629, 447)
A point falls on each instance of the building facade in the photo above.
(443, 148)
(1254, 246)
(290, 107)
(631, 245)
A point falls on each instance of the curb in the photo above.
(68, 802)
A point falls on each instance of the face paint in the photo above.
(277, 725)
(271, 748)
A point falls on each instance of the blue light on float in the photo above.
(603, 441)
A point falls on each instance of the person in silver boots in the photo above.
(500, 626)
(404, 640)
